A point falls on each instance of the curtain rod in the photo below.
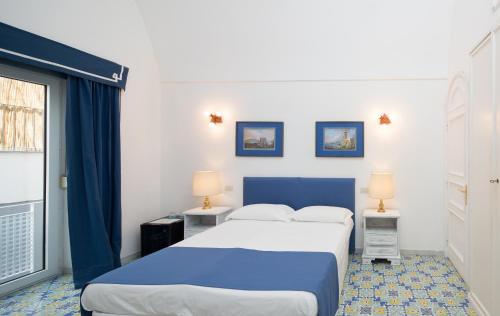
(115, 76)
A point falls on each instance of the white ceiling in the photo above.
(200, 40)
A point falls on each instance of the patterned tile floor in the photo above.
(421, 285)
(53, 297)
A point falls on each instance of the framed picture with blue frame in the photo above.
(259, 139)
(340, 139)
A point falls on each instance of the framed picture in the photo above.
(259, 139)
(340, 139)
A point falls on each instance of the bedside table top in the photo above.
(163, 221)
(216, 210)
(387, 214)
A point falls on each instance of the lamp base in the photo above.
(381, 208)
(206, 203)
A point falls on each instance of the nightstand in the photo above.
(160, 233)
(197, 220)
(381, 236)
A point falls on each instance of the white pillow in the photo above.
(263, 212)
(325, 214)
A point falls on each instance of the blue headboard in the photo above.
(301, 192)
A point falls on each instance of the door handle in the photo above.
(464, 191)
(494, 181)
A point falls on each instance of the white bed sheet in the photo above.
(189, 300)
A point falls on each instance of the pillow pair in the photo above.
(284, 213)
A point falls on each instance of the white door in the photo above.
(481, 144)
(456, 172)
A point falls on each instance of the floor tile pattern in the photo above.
(53, 297)
(421, 285)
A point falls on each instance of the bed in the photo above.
(106, 299)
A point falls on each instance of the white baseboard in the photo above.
(125, 260)
(405, 252)
(477, 305)
(128, 259)
(67, 270)
(408, 252)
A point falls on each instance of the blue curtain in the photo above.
(93, 170)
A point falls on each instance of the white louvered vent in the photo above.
(16, 242)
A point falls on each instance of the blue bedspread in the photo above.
(236, 268)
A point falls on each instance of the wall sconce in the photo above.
(384, 119)
(215, 118)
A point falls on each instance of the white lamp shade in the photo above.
(206, 183)
(381, 185)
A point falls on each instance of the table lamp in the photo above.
(206, 183)
(381, 187)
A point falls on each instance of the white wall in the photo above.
(112, 30)
(411, 146)
(471, 21)
(22, 177)
(301, 62)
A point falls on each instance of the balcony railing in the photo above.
(21, 239)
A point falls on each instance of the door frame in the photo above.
(496, 168)
(53, 194)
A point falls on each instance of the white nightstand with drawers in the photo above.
(381, 236)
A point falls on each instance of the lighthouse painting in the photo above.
(339, 139)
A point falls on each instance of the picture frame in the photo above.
(340, 139)
(259, 139)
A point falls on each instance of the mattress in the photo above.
(187, 300)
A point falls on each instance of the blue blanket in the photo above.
(236, 268)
